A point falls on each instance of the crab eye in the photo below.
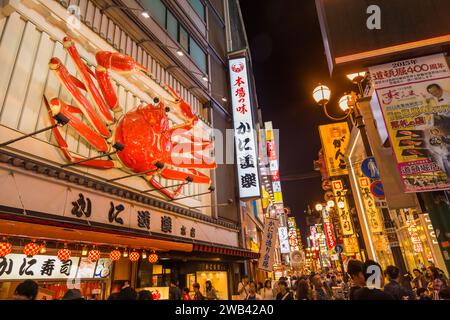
(156, 102)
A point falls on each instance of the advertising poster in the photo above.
(414, 96)
(335, 138)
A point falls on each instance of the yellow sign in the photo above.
(343, 211)
(278, 197)
(351, 245)
(335, 138)
(372, 212)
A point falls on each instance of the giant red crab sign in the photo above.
(141, 138)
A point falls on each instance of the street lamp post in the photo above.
(349, 103)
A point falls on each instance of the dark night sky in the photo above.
(289, 61)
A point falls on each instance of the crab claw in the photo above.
(183, 107)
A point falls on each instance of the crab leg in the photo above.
(101, 164)
(87, 80)
(58, 106)
(197, 177)
(82, 102)
(165, 191)
(118, 62)
(185, 162)
(184, 109)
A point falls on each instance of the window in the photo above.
(184, 39)
(172, 25)
(199, 8)
(198, 55)
(157, 10)
(177, 32)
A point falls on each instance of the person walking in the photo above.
(186, 295)
(371, 269)
(145, 295)
(26, 290)
(419, 280)
(174, 291)
(116, 287)
(303, 290)
(197, 294)
(320, 292)
(436, 284)
(243, 288)
(266, 292)
(355, 271)
(211, 293)
(72, 294)
(394, 288)
(284, 293)
(252, 293)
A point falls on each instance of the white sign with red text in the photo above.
(246, 159)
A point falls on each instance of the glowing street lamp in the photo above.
(319, 207)
(321, 94)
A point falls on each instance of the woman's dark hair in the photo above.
(186, 290)
(392, 272)
(435, 272)
(302, 290)
(196, 285)
(145, 295)
(354, 267)
(28, 288)
(421, 291)
(282, 282)
(417, 271)
(268, 282)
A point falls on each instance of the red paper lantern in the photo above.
(5, 248)
(134, 256)
(31, 249)
(94, 255)
(64, 254)
(114, 255)
(153, 258)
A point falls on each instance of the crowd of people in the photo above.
(362, 281)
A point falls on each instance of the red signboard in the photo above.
(331, 241)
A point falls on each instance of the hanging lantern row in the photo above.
(32, 248)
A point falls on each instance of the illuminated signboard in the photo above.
(273, 164)
(283, 236)
(246, 159)
(292, 234)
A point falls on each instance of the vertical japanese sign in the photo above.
(284, 239)
(274, 168)
(329, 234)
(292, 234)
(314, 242)
(244, 132)
(414, 96)
(372, 212)
(267, 256)
(343, 211)
(335, 138)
